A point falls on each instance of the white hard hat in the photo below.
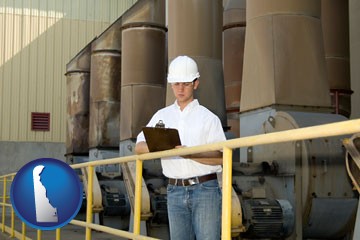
(183, 69)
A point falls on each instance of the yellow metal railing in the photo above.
(326, 130)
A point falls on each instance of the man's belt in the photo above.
(193, 180)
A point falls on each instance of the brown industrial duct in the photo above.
(143, 65)
(105, 83)
(284, 61)
(195, 29)
(234, 40)
(335, 24)
(77, 102)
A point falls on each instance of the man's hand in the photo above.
(208, 158)
(141, 147)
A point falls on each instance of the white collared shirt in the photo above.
(196, 125)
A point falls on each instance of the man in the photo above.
(193, 192)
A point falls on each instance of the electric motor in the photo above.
(266, 218)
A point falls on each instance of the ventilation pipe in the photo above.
(234, 40)
(285, 86)
(284, 62)
(143, 66)
(105, 79)
(77, 103)
(105, 82)
(335, 24)
(142, 94)
(195, 29)
(354, 18)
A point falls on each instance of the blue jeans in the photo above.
(195, 211)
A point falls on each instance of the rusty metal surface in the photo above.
(77, 120)
(143, 67)
(105, 81)
(77, 102)
(81, 62)
(110, 39)
(104, 124)
(105, 92)
(105, 76)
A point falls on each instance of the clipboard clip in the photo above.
(160, 124)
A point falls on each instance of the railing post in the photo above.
(138, 186)
(3, 207)
(12, 216)
(39, 233)
(89, 212)
(58, 234)
(23, 231)
(12, 222)
(226, 194)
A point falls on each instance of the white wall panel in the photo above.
(37, 39)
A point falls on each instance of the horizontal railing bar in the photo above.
(319, 131)
(17, 234)
(6, 204)
(113, 231)
(7, 175)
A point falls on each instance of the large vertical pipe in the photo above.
(105, 82)
(284, 61)
(142, 87)
(233, 45)
(195, 29)
(354, 7)
(335, 24)
(143, 66)
(77, 102)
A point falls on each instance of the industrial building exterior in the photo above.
(79, 79)
(38, 39)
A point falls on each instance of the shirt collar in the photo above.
(188, 107)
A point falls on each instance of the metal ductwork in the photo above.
(142, 94)
(233, 44)
(143, 66)
(77, 98)
(284, 62)
(285, 86)
(335, 25)
(195, 29)
(105, 83)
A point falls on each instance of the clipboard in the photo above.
(160, 138)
